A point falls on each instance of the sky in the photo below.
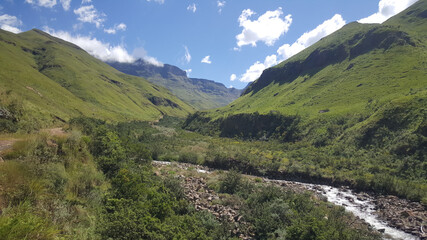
(228, 41)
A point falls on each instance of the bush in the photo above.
(231, 183)
(189, 157)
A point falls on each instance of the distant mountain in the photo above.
(200, 93)
(44, 79)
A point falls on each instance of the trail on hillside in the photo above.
(7, 144)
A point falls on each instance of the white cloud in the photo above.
(268, 28)
(42, 3)
(257, 68)
(287, 50)
(220, 5)
(141, 53)
(233, 77)
(188, 71)
(207, 60)
(89, 14)
(117, 27)
(387, 9)
(157, 1)
(309, 38)
(96, 48)
(66, 4)
(187, 55)
(192, 8)
(10, 23)
(86, 1)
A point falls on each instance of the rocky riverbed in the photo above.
(396, 218)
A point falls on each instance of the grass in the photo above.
(50, 188)
(52, 80)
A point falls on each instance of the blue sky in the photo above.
(228, 41)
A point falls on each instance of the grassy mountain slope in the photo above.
(45, 78)
(355, 71)
(345, 72)
(200, 93)
(350, 108)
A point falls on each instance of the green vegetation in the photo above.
(50, 187)
(351, 109)
(101, 186)
(46, 81)
(92, 187)
(202, 94)
(278, 214)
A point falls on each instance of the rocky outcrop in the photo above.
(205, 199)
(410, 217)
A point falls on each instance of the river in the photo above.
(362, 207)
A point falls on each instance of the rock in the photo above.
(382, 230)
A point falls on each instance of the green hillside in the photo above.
(44, 80)
(346, 71)
(355, 71)
(351, 109)
(202, 94)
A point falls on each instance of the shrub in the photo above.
(189, 157)
(231, 182)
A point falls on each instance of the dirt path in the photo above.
(54, 131)
(7, 144)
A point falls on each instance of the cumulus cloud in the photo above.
(207, 60)
(192, 8)
(309, 38)
(96, 48)
(187, 55)
(257, 68)
(157, 1)
(89, 14)
(117, 27)
(86, 1)
(268, 28)
(141, 53)
(387, 9)
(288, 50)
(42, 3)
(233, 77)
(10, 23)
(66, 4)
(220, 5)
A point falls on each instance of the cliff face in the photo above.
(200, 93)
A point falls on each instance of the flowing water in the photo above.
(362, 207)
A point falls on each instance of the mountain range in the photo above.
(202, 94)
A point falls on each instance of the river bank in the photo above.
(395, 218)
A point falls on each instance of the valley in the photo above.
(330, 143)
